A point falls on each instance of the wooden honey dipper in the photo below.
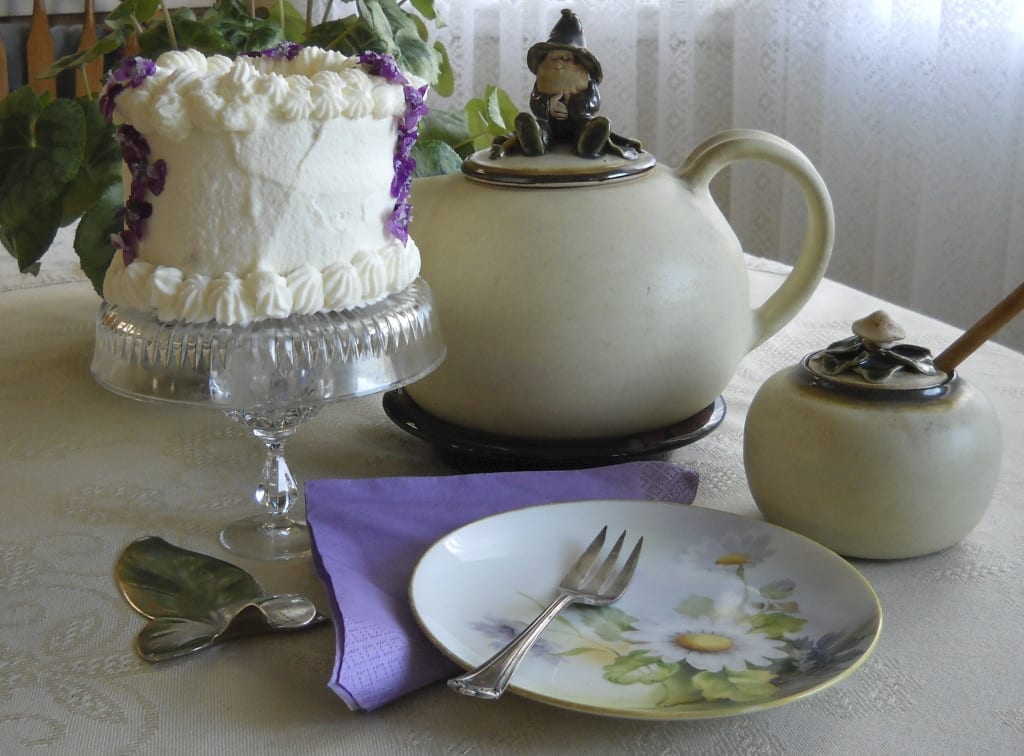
(981, 331)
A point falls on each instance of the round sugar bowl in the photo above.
(869, 449)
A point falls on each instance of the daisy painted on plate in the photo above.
(705, 644)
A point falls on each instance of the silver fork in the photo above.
(583, 585)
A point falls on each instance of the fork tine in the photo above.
(579, 571)
(595, 581)
(623, 578)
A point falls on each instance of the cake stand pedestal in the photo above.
(272, 376)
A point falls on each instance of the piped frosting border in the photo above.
(188, 90)
(231, 299)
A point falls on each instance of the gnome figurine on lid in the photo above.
(565, 101)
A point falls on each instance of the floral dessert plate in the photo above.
(725, 615)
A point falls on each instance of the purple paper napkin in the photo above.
(369, 534)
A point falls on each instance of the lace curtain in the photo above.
(911, 109)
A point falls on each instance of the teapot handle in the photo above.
(716, 153)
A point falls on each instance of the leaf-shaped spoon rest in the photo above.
(194, 600)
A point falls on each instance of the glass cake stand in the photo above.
(271, 376)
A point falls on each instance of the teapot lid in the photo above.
(874, 358)
(561, 140)
(557, 168)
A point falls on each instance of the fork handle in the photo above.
(491, 678)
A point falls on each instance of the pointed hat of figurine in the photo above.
(567, 34)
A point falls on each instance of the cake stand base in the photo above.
(470, 449)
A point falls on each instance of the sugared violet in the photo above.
(130, 72)
(385, 66)
(147, 177)
(282, 51)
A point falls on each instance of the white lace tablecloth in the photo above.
(84, 472)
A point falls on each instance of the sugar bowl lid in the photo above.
(875, 358)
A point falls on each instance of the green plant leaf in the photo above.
(349, 36)
(421, 27)
(775, 624)
(426, 9)
(28, 240)
(744, 686)
(190, 33)
(434, 158)
(60, 140)
(294, 21)
(242, 32)
(479, 124)
(376, 20)
(493, 105)
(476, 115)
(37, 156)
(445, 84)
(92, 237)
(101, 163)
(409, 37)
(262, 37)
(396, 18)
(506, 107)
(42, 143)
(184, 13)
(490, 116)
(129, 12)
(638, 667)
(416, 56)
(18, 114)
(102, 151)
(108, 44)
(447, 125)
(225, 29)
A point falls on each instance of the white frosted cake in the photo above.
(261, 187)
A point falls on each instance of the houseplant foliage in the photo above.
(59, 162)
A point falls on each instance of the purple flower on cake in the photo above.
(133, 71)
(134, 147)
(401, 184)
(127, 242)
(415, 108)
(148, 177)
(135, 213)
(130, 72)
(381, 64)
(406, 141)
(107, 100)
(283, 51)
(398, 225)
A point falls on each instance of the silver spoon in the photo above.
(170, 637)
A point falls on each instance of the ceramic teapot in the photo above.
(578, 308)
(584, 290)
